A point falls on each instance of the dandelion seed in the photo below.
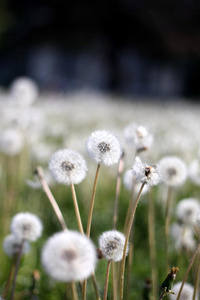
(138, 137)
(69, 256)
(67, 167)
(187, 211)
(173, 170)
(26, 226)
(186, 294)
(12, 244)
(104, 147)
(111, 244)
(145, 173)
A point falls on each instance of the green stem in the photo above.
(167, 222)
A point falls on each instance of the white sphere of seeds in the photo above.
(26, 226)
(12, 244)
(111, 244)
(187, 210)
(138, 136)
(186, 294)
(68, 167)
(194, 171)
(173, 170)
(24, 91)
(104, 147)
(11, 141)
(69, 256)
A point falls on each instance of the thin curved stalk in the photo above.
(127, 239)
(106, 282)
(152, 246)
(78, 217)
(196, 285)
(8, 283)
(74, 291)
(51, 198)
(188, 270)
(16, 269)
(167, 223)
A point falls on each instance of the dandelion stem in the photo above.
(92, 202)
(152, 246)
(16, 269)
(167, 223)
(118, 187)
(127, 239)
(51, 198)
(130, 260)
(78, 217)
(74, 291)
(114, 286)
(106, 282)
(162, 295)
(130, 207)
(7, 287)
(188, 270)
(196, 285)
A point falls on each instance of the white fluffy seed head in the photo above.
(11, 245)
(130, 182)
(11, 141)
(194, 171)
(111, 244)
(26, 226)
(173, 170)
(186, 294)
(104, 147)
(183, 237)
(145, 173)
(187, 211)
(69, 256)
(138, 137)
(23, 91)
(68, 167)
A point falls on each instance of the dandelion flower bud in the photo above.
(67, 166)
(138, 137)
(12, 244)
(26, 226)
(187, 211)
(104, 147)
(186, 294)
(69, 256)
(11, 141)
(111, 244)
(24, 91)
(173, 170)
(145, 173)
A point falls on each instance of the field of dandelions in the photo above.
(100, 196)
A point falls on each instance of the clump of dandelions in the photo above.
(111, 244)
(173, 170)
(26, 226)
(186, 294)
(69, 256)
(68, 167)
(12, 245)
(104, 147)
(138, 137)
(145, 173)
(187, 211)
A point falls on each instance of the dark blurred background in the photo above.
(129, 47)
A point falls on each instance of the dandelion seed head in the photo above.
(26, 226)
(111, 244)
(24, 91)
(138, 136)
(11, 245)
(68, 167)
(69, 256)
(145, 173)
(186, 294)
(129, 180)
(173, 170)
(11, 141)
(194, 171)
(187, 210)
(104, 147)
(183, 237)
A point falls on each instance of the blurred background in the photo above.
(128, 47)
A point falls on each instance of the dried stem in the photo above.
(78, 217)
(118, 187)
(74, 291)
(167, 222)
(16, 269)
(130, 260)
(196, 285)
(127, 239)
(7, 287)
(115, 277)
(188, 270)
(162, 295)
(106, 282)
(51, 198)
(152, 245)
